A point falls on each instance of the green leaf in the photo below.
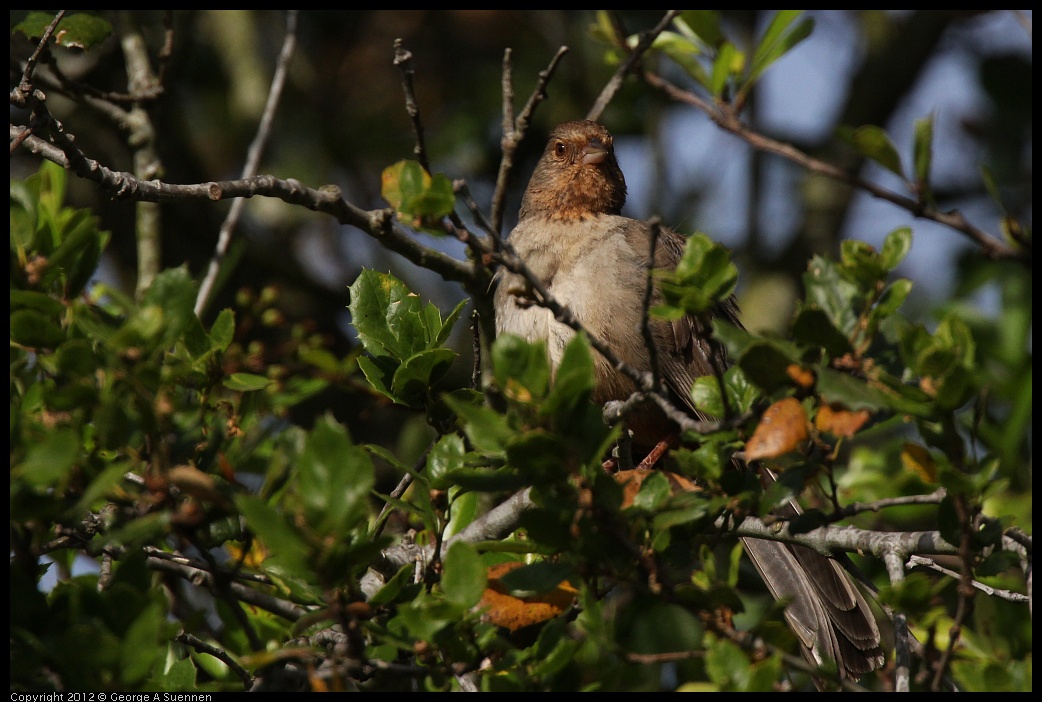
(80, 226)
(222, 331)
(379, 372)
(392, 321)
(704, 23)
(487, 429)
(415, 377)
(81, 31)
(464, 577)
(82, 270)
(728, 666)
(704, 276)
(778, 39)
(653, 626)
(376, 298)
(392, 587)
(38, 301)
(24, 199)
(554, 649)
(855, 394)
(727, 64)
(141, 646)
(574, 381)
(412, 191)
(172, 293)
(290, 555)
(895, 247)
(445, 457)
(684, 52)
(830, 292)
(652, 493)
(923, 154)
(334, 478)
(892, 298)
(246, 382)
(450, 321)
(521, 369)
(813, 327)
(48, 462)
(874, 143)
(181, 674)
(35, 330)
(705, 393)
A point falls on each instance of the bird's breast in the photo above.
(589, 267)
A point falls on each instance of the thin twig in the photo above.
(728, 120)
(1009, 595)
(198, 576)
(902, 650)
(218, 653)
(377, 223)
(25, 86)
(514, 129)
(253, 157)
(615, 82)
(403, 60)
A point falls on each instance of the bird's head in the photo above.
(576, 176)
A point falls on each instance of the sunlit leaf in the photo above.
(778, 39)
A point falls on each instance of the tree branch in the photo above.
(727, 119)
(253, 157)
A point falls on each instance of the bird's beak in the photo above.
(595, 151)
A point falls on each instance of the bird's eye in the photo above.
(559, 149)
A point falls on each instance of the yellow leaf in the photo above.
(918, 460)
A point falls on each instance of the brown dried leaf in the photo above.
(513, 613)
(781, 430)
(839, 421)
(800, 375)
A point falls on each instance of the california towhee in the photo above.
(572, 236)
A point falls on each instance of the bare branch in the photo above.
(728, 120)
(198, 576)
(403, 59)
(218, 653)
(25, 86)
(253, 157)
(377, 223)
(986, 589)
(514, 130)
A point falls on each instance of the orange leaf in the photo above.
(839, 421)
(800, 375)
(781, 430)
(918, 460)
(513, 613)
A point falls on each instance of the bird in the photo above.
(591, 258)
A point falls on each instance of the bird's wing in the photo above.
(827, 612)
